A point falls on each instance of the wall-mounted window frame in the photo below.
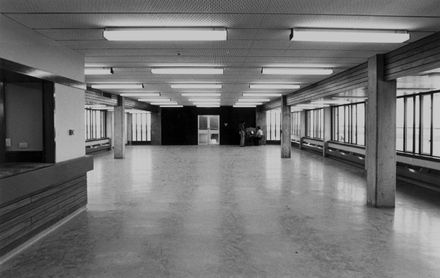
(418, 123)
(315, 123)
(140, 128)
(348, 123)
(273, 125)
(295, 125)
(96, 124)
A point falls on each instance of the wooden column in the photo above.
(261, 122)
(119, 129)
(381, 137)
(286, 146)
(327, 129)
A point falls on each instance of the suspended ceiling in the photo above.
(258, 36)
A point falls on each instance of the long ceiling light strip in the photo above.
(296, 71)
(154, 99)
(171, 106)
(348, 35)
(164, 103)
(249, 103)
(274, 86)
(140, 94)
(261, 95)
(98, 71)
(201, 94)
(165, 34)
(196, 86)
(117, 86)
(204, 99)
(187, 71)
(253, 100)
(208, 106)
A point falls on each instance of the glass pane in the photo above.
(417, 124)
(148, 126)
(214, 139)
(341, 123)
(203, 122)
(436, 125)
(426, 124)
(409, 125)
(361, 124)
(144, 127)
(213, 122)
(203, 139)
(399, 124)
(277, 124)
(268, 127)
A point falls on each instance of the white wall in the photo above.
(69, 114)
(25, 46)
(24, 116)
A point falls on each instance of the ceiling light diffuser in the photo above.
(98, 71)
(208, 106)
(154, 99)
(117, 86)
(248, 103)
(244, 106)
(274, 86)
(171, 106)
(140, 94)
(201, 94)
(261, 95)
(253, 100)
(164, 103)
(204, 99)
(196, 86)
(348, 35)
(165, 34)
(187, 71)
(296, 71)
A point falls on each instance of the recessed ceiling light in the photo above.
(117, 86)
(253, 100)
(154, 99)
(261, 95)
(348, 35)
(296, 71)
(140, 94)
(201, 94)
(187, 70)
(273, 86)
(196, 86)
(165, 34)
(98, 71)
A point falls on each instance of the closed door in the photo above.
(209, 129)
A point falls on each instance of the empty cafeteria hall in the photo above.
(217, 138)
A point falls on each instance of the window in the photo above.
(296, 126)
(348, 123)
(418, 123)
(140, 127)
(96, 124)
(273, 123)
(315, 123)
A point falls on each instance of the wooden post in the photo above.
(381, 137)
(286, 145)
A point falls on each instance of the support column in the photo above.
(381, 136)
(286, 145)
(261, 122)
(327, 129)
(156, 128)
(119, 129)
(302, 119)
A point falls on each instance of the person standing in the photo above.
(258, 136)
(242, 132)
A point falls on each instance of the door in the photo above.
(209, 129)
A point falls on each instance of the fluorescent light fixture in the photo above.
(154, 99)
(253, 99)
(117, 86)
(98, 71)
(348, 35)
(296, 71)
(201, 94)
(299, 66)
(205, 102)
(187, 71)
(164, 103)
(140, 94)
(165, 34)
(204, 99)
(248, 103)
(261, 95)
(196, 86)
(244, 106)
(208, 105)
(273, 86)
(171, 106)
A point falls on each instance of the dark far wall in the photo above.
(179, 125)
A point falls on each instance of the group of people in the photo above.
(250, 135)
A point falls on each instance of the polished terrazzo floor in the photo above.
(188, 211)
